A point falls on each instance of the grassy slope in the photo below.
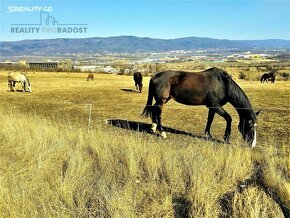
(51, 166)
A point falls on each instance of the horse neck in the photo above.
(240, 101)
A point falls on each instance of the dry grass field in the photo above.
(52, 166)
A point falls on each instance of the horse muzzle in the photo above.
(252, 139)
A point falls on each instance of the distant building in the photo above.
(64, 65)
(6, 63)
(43, 65)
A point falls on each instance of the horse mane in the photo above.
(237, 95)
(28, 82)
(238, 98)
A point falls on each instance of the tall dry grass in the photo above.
(50, 166)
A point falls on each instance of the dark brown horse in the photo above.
(138, 78)
(268, 77)
(212, 88)
(90, 76)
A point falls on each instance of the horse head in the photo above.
(29, 88)
(27, 83)
(248, 129)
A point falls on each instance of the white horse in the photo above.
(15, 77)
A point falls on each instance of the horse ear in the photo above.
(258, 112)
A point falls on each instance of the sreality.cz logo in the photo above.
(23, 9)
(45, 22)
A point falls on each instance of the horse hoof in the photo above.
(153, 128)
(227, 140)
(152, 131)
(163, 135)
(208, 136)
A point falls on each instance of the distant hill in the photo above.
(130, 44)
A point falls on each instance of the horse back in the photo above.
(17, 77)
(192, 88)
(138, 77)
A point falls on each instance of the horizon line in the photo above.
(145, 37)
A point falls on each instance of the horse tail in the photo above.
(9, 80)
(148, 108)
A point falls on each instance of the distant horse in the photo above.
(15, 77)
(212, 88)
(138, 78)
(268, 77)
(90, 76)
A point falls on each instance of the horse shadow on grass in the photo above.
(16, 90)
(181, 207)
(146, 128)
(129, 90)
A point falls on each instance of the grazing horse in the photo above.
(138, 81)
(212, 88)
(14, 77)
(268, 77)
(90, 76)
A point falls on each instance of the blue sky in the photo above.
(235, 19)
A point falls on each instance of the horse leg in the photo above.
(10, 86)
(219, 110)
(154, 120)
(13, 86)
(159, 124)
(164, 100)
(211, 113)
(23, 86)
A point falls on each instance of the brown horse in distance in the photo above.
(90, 76)
(138, 78)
